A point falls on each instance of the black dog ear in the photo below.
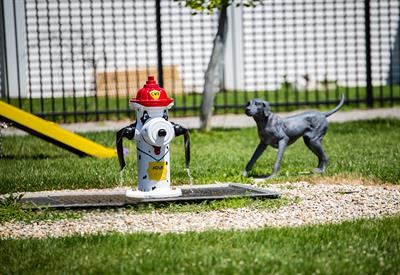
(267, 109)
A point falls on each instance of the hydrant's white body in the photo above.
(153, 161)
(153, 133)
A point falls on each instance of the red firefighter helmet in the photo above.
(152, 95)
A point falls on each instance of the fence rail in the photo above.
(74, 60)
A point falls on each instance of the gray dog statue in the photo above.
(280, 132)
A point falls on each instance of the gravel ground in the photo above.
(317, 203)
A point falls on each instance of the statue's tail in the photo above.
(336, 108)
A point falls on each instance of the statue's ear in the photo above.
(267, 109)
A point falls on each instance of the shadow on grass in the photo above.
(257, 176)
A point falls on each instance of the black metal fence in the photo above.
(83, 60)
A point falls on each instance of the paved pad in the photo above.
(112, 198)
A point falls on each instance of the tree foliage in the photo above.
(211, 5)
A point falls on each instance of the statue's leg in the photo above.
(281, 149)
(315, 146)
(257, 153)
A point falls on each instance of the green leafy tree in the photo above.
(214, 70)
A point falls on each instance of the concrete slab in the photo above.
(117, 198)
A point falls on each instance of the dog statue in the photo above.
(280, 132)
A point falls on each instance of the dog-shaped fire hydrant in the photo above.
(153, 133)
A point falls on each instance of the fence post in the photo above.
(14, 34)
(3, 54)
(159, 45)
(233, 67)
(367, 24)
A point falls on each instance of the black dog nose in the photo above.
(162, 133)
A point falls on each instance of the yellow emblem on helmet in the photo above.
(155, 94)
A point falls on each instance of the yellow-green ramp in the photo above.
(53, 133)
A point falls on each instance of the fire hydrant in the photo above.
(153, 133)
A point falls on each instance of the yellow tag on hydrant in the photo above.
(157, 170)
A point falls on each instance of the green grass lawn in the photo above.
(367, 150)
(356, 247)
(224, 101)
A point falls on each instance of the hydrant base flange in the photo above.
(156, 193)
